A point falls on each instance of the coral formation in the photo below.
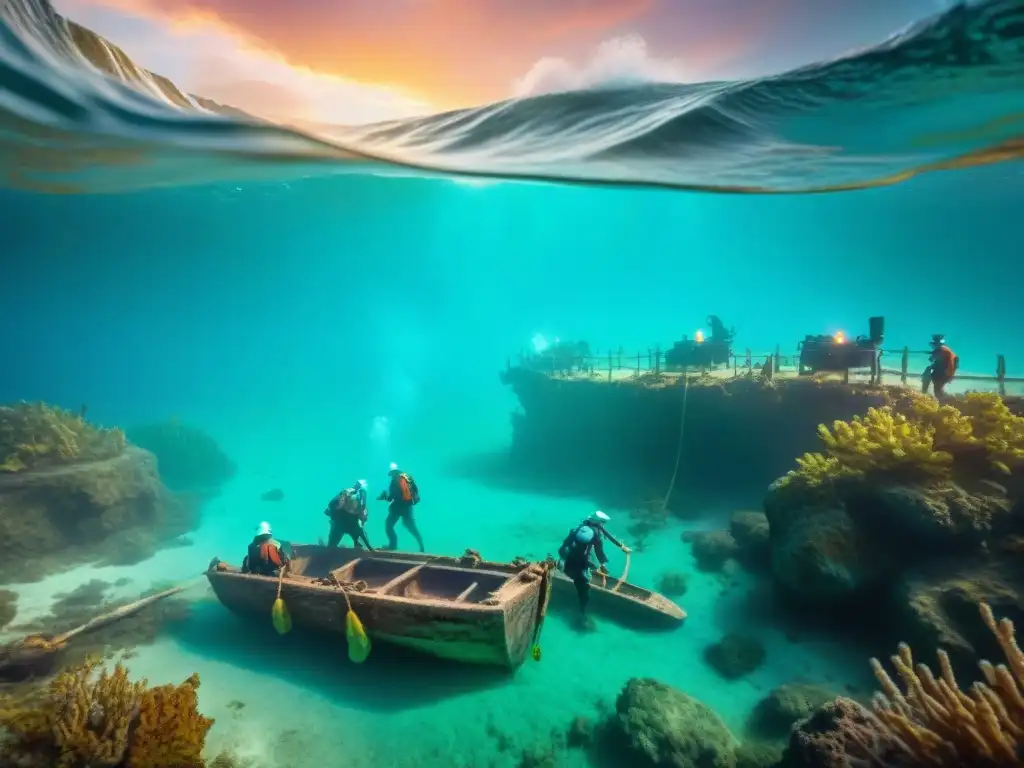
(712, 549)
(757, 754)
(37, 435)
(929, 721)
(114, 510)
(657, 725)
(751, 532)
(776, 713)
(735, 655)
(924, 444)
(672, 584)
(188, 458)
(936, 723)
(8, 607)
(105, 719)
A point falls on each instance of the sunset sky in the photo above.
(359, 60)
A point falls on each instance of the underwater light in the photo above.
(540, 343)
(699, 337)
(839, 338)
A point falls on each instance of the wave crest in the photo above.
(78, 115)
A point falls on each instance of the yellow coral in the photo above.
(880, 441)
(171, 731)
(36, 434)
(934, 723)
(926, 443)
(85, 720)
(107, 720)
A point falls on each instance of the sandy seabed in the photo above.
(294, 701)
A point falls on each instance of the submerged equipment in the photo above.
(584, 534)
(355, 634)
(279, 612)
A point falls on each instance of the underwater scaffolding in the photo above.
(590, 418)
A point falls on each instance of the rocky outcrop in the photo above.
(752, 534)
(835, 732)
(864, 535)
(913, 558)
(189, 459)
(89, 511)
(657, 725)
(775, 715)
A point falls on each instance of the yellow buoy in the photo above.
(358, 642)
(279, 613)
(282, 619)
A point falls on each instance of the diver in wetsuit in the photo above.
(347, 513)
(576, 550)
(942, 368)
(402, 494)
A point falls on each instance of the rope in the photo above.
(622, 578)
(679, 449)
(280, 581)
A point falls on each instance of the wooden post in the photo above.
(1001, 374)
(609, 365)
(657, 360)
(650, 361)
(619, 358)
(876, 365)
(904, 365)
(750, 366)
(735, 366)
(637, 363)
(846, 376)
(776, 361)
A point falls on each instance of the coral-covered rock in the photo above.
(752, 534)
(758, 754)
(658, 725)
(56, 517)
(189, 459)
(936, 607)
(735, 655)
(775, 714)
(819, 557)
(712, 549)
(825, 739)
(672, 584)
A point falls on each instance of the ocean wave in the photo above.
(78, 115)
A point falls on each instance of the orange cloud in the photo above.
(448, 52)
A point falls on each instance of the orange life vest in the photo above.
(948, 359)
(407, 487)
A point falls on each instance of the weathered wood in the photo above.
(1001, 374)
(399, 579)
(467, 592)
(434, 609)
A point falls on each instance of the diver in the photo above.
(575, 554)
(403, 494)
(265, 558)
(347, 513)
(942, 368)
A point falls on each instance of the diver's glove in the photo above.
(603, 570)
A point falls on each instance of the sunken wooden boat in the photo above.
(622, 603)
(437, 606)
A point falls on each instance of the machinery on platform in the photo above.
(700, 352)
(837, 353)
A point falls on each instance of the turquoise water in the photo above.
(322, 318)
